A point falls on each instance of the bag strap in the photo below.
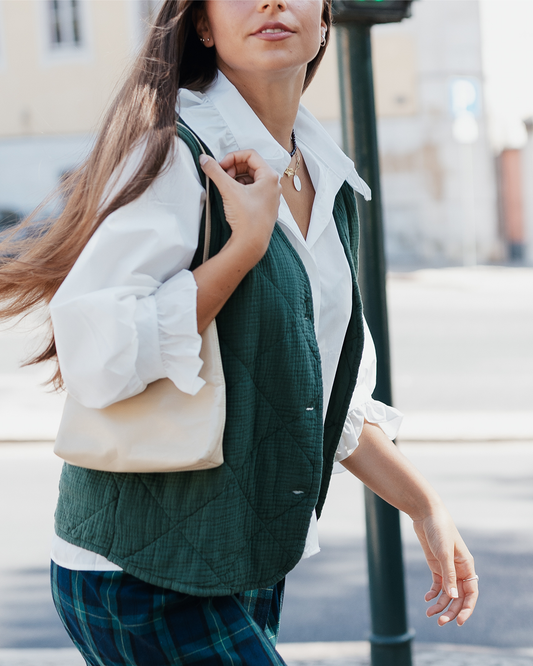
(196, 147)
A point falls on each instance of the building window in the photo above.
(65, 24)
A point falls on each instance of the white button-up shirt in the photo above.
(126, 313)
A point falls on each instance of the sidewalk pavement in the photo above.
(316, 654)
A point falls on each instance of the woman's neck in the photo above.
(275, 101)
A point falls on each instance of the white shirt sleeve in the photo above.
(125, 315)
(364, 407)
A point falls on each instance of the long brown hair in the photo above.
(37, 256)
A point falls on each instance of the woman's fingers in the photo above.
(247, 162)
(244, 179)
(217, 174)
(449, 578)
(440, 605)
(251, 192)
(451, 564)
(460, 609)
(241, 162)
(471, 592)
(451, 612)
(224, 179)
(435, 588)
(465, 613)
(243, 166)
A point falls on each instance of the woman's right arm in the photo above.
(129, 311)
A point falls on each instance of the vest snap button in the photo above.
(298, 492)
(309, 409)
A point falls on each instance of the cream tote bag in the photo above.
(159, 430)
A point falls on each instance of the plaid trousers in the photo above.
(115, 619)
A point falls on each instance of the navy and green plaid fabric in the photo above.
(115, 619)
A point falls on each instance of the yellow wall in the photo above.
(395, 73)
(322, 96)
(39, 96)
(395, 78)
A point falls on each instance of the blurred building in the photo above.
(439, 181)
(515, 178)
(60, 61)
(439, 184)
(527, 188)
(511, 203)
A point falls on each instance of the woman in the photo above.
(188, 568)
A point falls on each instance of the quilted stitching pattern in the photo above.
(240, 526)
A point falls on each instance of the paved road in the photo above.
(462, 353)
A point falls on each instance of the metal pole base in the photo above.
(383, 654)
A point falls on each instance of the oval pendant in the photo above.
(297, 183)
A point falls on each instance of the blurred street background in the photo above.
(455, 121)
(453, 98)
(463, 369)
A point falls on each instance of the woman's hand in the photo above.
(251, 192)
(450, 563)
(382, 467)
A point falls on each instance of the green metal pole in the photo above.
(390, 639)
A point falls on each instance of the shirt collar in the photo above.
(237, 127)
(313, 135)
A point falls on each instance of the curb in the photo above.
(316, 654)
(425, 654)
(470, 426)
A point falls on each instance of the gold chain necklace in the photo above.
(291, 172)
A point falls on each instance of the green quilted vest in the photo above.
(243, 525)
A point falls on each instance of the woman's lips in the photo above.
(273, 36)
(273, 32)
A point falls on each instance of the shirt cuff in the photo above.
(388, 418)
(179, 340)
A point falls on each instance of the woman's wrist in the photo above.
(245, 252)
(428, 504)
(218, 278)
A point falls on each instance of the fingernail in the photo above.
(453, 593)
(203, 159)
